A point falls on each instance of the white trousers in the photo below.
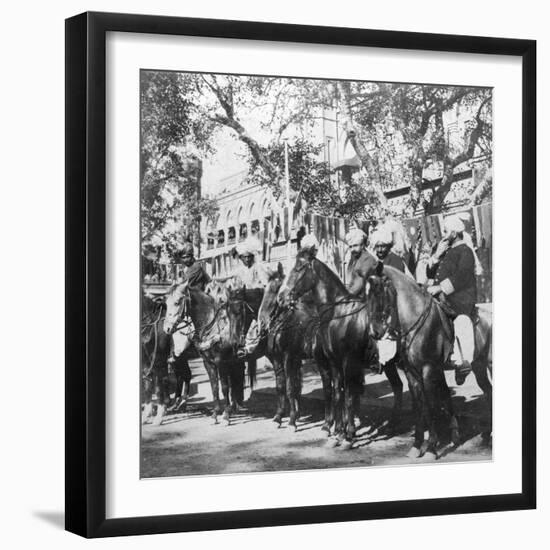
(464, 340)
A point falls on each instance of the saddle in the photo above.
(452, 314)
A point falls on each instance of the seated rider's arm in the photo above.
(198, 277)
(223, 279)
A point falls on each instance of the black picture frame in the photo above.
(86, 273)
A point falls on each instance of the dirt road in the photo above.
(190, 444)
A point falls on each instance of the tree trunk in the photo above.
(360, 149)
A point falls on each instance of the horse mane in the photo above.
(407, 286)
(327, 273)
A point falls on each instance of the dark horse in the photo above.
(222, 365)
(158, 373)
(344, 339)
(425, 345)
(286, 336)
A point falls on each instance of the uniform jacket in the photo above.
(393, 260)
(195, 276)
(256, 276)
(455, 273)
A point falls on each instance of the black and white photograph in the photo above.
(316, 273)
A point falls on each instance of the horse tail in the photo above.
(252, 368)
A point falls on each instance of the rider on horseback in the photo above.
(382, 241)
(251, 273)
(193, 273)
(194, 276)
(360, 264)
(453, 269)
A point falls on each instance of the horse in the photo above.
(425, 344)
(286, 336)
(158, 370)
(209, 318)
(344, 339)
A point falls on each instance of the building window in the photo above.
(231, 235)
(255, 227)
(221, 238)
(210, 240)
(243, 232)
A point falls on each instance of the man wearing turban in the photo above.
(251, 273)
(382, 241)
(361, 262)
(193, 273)
(309, 245)
(453, 269)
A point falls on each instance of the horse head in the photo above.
(301, 280)
(175, 300)
(381, 303)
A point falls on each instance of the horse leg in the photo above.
(417, 403)
(447, 402)
(280, 386)
(213, 376)
(431, 395)
(236, 380)
(326, 378)
(338, 400)
(390, 370)
(146, 398)
(350, 393)
(480, 368)
(224, 380)
(292, 371)
(162, 398)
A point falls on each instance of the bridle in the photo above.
(302, 270)
(146, 375)
(325, 308)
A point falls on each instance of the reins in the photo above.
(147, 373)
(414, 329)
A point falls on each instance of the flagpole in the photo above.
(287, 200)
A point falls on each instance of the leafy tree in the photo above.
(173, 137)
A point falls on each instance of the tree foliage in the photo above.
(173, 137)
(399, 132)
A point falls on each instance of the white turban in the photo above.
(355, 236)
(382, 236)
(309, 241)
(454, 223)
(250, 246)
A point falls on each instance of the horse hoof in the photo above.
(455, 437)
(332, 442)
(157, 421)
(325, 428)
(346, 445)
(413, 453)
(278, 420)
(226, 422)
(215, 420)
(428, 456)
